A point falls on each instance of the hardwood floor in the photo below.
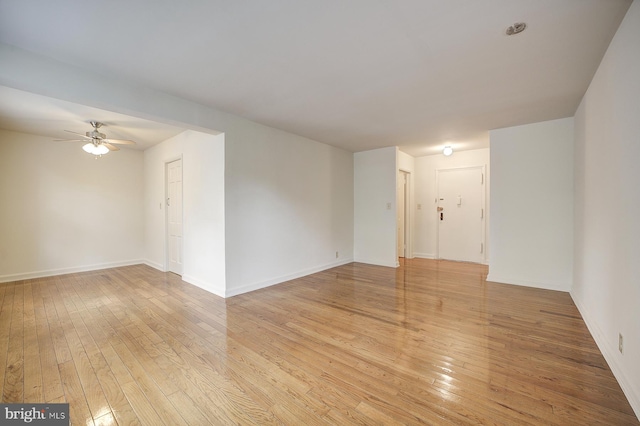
(430, 342)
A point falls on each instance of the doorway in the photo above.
(403, 219)
(460, 211)
(173, 175)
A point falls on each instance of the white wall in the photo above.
(426, 224)
(374, 186)
(289, 207)
(606, 285)
(532, 205)
(63, 211)
(405, 162)
(203, 207)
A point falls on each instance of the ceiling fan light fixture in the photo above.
(447, 151)
(95, 149)
(96, 143)
(94, 134)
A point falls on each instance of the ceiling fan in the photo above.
(97, 143)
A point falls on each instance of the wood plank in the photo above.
(106, 420)
(185, 407)
(13, 390)
(6, 308)
(147, 385)
(51, 382)
(79, 411)
(33, 377)
(92, 390)
(120, 407)
(143, 407)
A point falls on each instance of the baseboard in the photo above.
(277, 280)
(424, 255)
(204, 285)
(377, 262)
(558, 286)
(190, 279)
(64, 271)
(154, 265)
(433, 256)
(610, 355)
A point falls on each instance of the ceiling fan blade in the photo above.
(79, 134)
(111, 147)
(70, 140)
(119, 141)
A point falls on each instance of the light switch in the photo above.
(388, 206)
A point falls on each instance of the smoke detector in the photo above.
(516, 28)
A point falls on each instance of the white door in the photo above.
(174, 216)
(461, 214)
(402, 214)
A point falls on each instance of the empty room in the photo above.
(285, 212)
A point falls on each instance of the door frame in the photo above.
(166, 211)
(408, 247)
(483, 241)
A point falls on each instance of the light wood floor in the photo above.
(430, 342)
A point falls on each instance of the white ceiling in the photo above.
(40, 115)
(358, 74)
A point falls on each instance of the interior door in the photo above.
(174, 216)
(461, 214)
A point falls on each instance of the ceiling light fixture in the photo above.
(95, 148)
(516, 28)
(447, 151)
